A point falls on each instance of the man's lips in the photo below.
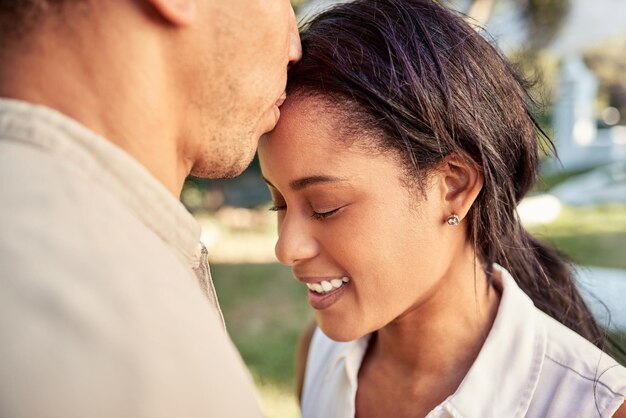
(281, 100)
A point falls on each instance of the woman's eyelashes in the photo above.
(324, 215)
(277, 207)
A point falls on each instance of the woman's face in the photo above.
(370, 250)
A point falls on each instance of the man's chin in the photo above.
(234, 172)
(219, 170)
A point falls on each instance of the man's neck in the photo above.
(118, 99)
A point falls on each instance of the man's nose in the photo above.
(295, 242)
(295, 47)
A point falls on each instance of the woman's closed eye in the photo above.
(278, 207)
(324, 215)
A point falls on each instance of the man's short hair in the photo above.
(18, 17)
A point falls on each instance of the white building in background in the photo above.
(574, 118)
(580, 143)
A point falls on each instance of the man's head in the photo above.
(236, 80)
(205, 76)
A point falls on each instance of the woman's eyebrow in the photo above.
(305, 182)
(311, 180)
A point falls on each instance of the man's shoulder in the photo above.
(94, 303)
(56, 221)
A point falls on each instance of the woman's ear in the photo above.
(463, 181)
(177, 12)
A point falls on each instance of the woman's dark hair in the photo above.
(427, 85)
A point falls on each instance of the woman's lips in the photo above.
(326, 285)
(320, 301)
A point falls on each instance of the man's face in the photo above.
(237, 81)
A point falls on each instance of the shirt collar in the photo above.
(349, 357)
(108, 164)
(510, 359)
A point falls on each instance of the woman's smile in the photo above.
(327, 298)
(324, 292)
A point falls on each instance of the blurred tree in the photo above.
(543, 18)
(608, 61)
(298, 3)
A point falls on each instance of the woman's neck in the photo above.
(429, 349)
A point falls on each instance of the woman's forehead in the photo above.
(319, 122)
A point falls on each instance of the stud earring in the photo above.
(453, 220)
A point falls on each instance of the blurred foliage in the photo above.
(298, 3)
(544, 19)
(247, 191)
(589, 235)
(540, 69)
(547, 181)
(265, 311)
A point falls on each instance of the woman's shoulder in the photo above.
(572, 353)
(550, 370)
(579, 373)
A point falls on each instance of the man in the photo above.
(106, 303)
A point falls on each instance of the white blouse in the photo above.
(530, 366)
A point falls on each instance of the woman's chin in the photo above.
(341, 333)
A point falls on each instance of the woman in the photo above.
(402, 152)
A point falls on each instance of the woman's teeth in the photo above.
(326, 286)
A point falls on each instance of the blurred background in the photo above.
(575, 50)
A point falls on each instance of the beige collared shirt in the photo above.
(101, 314)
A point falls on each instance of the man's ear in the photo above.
(177, 12)
(463, 181)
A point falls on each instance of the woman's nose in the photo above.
(295, 242)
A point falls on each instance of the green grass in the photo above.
(594, 236)
(265, 310)
(547, 181)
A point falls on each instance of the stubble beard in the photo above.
(225, 156)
